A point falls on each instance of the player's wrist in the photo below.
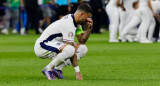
(77, 69)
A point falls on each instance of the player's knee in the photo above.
(81, 51)
(70, 50)
(84, 49)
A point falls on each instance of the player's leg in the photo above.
(131, 25)
(151, 29)
(113, 15)
(7, 22)
(145, 22)
(15, 16)
(48, 50)
(81, 52)
(66, 53)
(123, 17)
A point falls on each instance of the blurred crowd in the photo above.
(127, 20)
(22, 15)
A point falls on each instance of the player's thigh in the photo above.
(48, 50)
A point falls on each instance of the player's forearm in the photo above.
(85, 36)
(74, 61)
(118, 3)
(150, 6)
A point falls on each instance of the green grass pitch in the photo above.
(106, 64)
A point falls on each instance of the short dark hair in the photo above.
(85, 7)
(134, 4)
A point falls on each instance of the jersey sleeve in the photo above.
(79, 30)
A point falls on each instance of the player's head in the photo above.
(83, 12)
(135, 5)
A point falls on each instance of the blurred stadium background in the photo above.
(106, 64)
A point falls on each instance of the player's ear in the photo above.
(81, 14)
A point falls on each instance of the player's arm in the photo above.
(122, 5)
(82, 38)
(74, 62)
(150, 6)
(118, 3)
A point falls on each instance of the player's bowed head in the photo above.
(83, 16)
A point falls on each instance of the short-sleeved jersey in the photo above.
(61, 30)
(156, 6)
(128, 4)
(112, 2)
(143, 3)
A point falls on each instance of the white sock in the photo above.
(60, 67)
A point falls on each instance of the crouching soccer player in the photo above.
(57, 42)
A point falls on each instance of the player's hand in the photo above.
(89, 23)
(79, 76)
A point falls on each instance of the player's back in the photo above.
(59, 29)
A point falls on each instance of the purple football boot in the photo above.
(48, 74)
(58, 74)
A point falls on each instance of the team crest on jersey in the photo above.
(70, 34)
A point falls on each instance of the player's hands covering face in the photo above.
(89, 23)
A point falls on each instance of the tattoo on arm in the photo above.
(82, 38)
(74, 60)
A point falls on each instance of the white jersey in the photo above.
(128, 4)
(143, 2)
(113, 2)
(156, 6)
(61, 30)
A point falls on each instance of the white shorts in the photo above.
(48, 49)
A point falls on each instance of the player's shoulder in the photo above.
(68, 16)
(67, 19)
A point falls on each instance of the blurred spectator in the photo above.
(22, 18)
(97, 8)
(63, 7)
(46, 14)
(2, 13)
(74, 5)
(31, 7)
(12, 12)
